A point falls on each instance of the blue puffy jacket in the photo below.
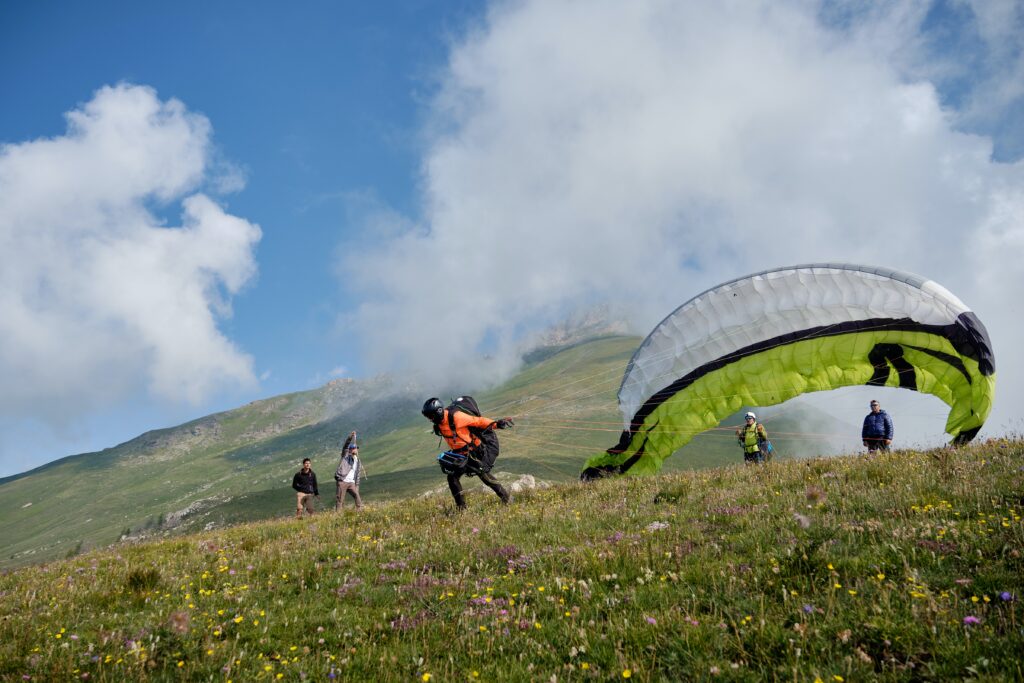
(877, 426)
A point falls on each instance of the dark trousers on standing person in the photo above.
(455, 485)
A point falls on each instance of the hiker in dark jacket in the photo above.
(462, 441)
(304, 483)
(877, 431)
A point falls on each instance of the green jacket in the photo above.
(750, 437)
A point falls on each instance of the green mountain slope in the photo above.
(237, 465)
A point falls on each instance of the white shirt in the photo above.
(350, 478)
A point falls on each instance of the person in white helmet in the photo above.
(751, 436)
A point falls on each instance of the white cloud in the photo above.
(98, 298)
(640, 152)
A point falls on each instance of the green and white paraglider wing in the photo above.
(763, 339)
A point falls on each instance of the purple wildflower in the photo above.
(971, 621)
(1006, 596)
(808, 609)
(651, 620)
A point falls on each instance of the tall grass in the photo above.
(897, 566)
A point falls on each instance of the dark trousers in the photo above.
(455, 484)
(876, 443)
(755, 457)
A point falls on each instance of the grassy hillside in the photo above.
(92, 499)
(904, 566)
(237, 465)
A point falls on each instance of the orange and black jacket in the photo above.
(462, 437)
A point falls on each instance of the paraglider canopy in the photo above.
(765, 338)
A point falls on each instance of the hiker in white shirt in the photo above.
(349, 474)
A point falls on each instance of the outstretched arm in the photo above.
(473, 421)
(348, 441)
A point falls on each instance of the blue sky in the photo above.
(318, 105)
(314, 103)
(208, 203)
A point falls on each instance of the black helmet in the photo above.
(433, 409)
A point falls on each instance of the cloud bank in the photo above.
(99, 298)
(641, 152)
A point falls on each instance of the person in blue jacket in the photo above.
(877, 431)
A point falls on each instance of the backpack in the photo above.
(481, 457)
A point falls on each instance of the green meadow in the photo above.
(902, 566)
